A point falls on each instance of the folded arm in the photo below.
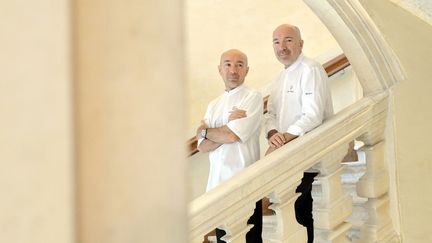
(215, 137)
(222, 135)
(208, 145)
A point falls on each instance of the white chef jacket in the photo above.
(300, 98)
(230, 158)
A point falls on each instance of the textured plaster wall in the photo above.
(410, 37)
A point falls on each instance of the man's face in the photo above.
(287, 44)
(233, 69)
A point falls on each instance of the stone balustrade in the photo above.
(277, 175)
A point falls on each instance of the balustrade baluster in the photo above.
(236, 226)
(333, 207)
(282, 199)
(374, 185)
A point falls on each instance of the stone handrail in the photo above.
(230, 203)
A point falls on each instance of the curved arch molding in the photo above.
(376, 65)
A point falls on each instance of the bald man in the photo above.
(230, 131)
(299, 101)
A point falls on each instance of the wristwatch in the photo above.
(204, 133)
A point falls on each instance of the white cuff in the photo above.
(295, 130)
(269, 128)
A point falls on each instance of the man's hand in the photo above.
(276, 140)
(236, 114)
(271, 132)
(201, 127)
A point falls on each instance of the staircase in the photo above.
(338, 212)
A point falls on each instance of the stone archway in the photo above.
(374, 62)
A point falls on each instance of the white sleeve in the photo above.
(313, 98)
(244, 128)
(270, 116)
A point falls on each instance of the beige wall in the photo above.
(36, 170)
(410, 38)
(215, 26)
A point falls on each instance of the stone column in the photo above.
(130, 112)
(36, 139)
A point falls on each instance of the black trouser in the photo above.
(303, 204)
(254, 234)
